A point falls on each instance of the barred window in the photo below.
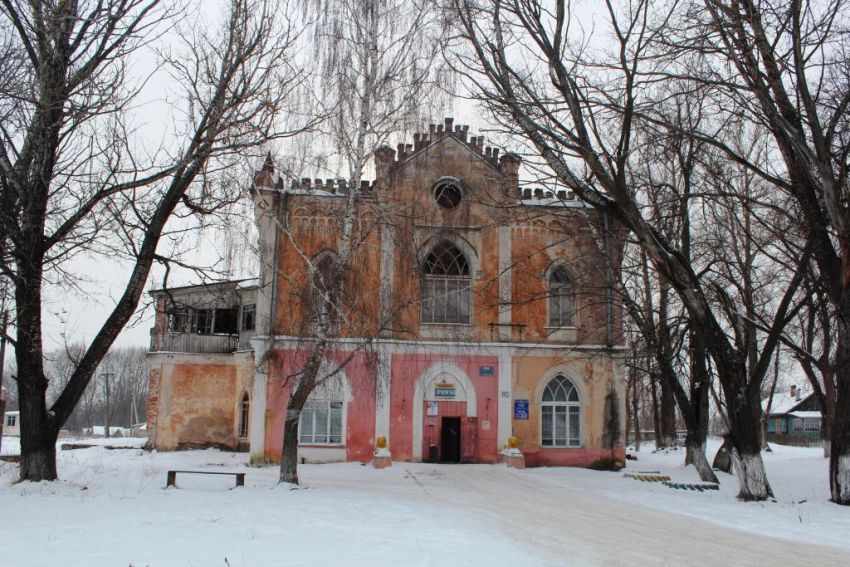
(560, 299)
(446, 286)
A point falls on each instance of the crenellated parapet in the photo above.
(326, 187)
(437, 132)
(269, 178)
(540, 194)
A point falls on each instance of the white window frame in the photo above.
(570, 441)
(327, 404)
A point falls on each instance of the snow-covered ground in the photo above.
(111, 508)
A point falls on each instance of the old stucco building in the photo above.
(475, 311)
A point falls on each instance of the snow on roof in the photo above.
(241, 284)
(806, 414)
(313, 192)
(555, 202)
(784, 402)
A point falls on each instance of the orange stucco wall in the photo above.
(593, 376)
(197, 403)
(404, 201)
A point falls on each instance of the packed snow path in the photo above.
(586, 528)
(111, 508)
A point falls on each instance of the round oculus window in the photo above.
(447, 195)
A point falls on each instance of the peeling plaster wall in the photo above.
(195, 399)
(592, 374)
(361, 373)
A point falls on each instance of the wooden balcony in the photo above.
(193, 342)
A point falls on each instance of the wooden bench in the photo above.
(172, 476)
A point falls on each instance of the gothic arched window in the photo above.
(446, 286)
(560, 411)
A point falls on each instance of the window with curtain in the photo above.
(560, 411)
(446, 286)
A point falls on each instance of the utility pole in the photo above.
(106, 375)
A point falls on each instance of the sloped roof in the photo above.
(785, 403)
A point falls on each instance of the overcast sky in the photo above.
(73, 316)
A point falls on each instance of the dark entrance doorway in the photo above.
(450, 440)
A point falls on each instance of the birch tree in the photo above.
(379, 61)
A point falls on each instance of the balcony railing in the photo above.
(194, 343)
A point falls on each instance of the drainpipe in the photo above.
(275, 259)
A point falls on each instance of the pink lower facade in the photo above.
(455, 403)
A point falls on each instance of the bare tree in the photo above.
(379, 60)
(72, 182)
(784, 65)
(579, 114)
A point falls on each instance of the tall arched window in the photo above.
(325, 290)
(244, 416)
(560, 298)
(446, 286)
(560, 412)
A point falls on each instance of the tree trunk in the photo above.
(696, 456)
(636, 414)
(752, 479)
(628, 413)
(695, 409)
(656, 417)
(839, 458)
(744, 416)
(38, 437)
(38, 461)
(668, 416)
(38, 434)
(723, 458)
(667, 406)
(826, 425)
(289, 456)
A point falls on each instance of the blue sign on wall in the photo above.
(520, 409)
(485, 370)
